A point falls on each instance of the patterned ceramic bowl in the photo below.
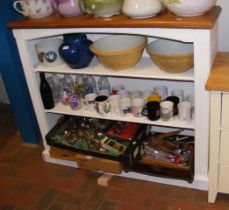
(188, 7)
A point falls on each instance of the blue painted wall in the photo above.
(13, 76)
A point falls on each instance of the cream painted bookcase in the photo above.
(201, 31)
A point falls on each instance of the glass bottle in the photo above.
(54, 81)
(46, 92)
(104, 86)
(79, 89)
(89, 84)
(66, 87)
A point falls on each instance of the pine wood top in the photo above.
(163, 20)
(218, 79)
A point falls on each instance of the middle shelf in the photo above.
(173, 122)
(144, 69)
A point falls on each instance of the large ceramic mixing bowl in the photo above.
(119, 52)
(171, 56)
(189, 7)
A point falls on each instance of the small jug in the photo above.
(138, 9)
(75, 50)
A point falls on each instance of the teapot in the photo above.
(138, 9)
(33, 8)
(102, 8)
(67, 8)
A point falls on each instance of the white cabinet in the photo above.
(219, 144)
(218, 85)
(202, 34)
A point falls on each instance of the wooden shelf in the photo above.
(218, 79)
(163, 20)
(144, 69)
(174, 122)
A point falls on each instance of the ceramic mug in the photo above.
(185, 111)
(102, 105)
(115, 106)
(125, 106)
(89, 102)
(166, 110)
(152, 110)
(137, 106)
(34, 8)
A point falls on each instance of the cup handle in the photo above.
(21, 11)
(107, 107)
(83, 8)
(144, 111)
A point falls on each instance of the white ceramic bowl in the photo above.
(171, 56)
(47, 52)
(119, 52)
(189, 7)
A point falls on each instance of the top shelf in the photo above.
(163, 20)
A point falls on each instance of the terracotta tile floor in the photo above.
(27, 183)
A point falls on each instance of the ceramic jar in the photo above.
(67, 8)
(75, 50)
(102, 8)
(34, 8)
(138, 9)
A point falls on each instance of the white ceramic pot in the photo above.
(138, 9)
(189, 7)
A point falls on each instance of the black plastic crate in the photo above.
(130, 155)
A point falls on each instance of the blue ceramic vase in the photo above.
(75, 50)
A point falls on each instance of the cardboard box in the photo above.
(62, 154)
(100, 164)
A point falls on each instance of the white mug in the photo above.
(125, 106)
(115, 104)
(102, 105)
(34, 8)
(137, 106)
(185, 111)
(166, 110)
(89, 102)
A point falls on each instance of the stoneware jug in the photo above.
(34, 8)
(102, 8)
(75, 50)
(67, 8)
(138, 9)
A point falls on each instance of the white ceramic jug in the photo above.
(138, 9)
